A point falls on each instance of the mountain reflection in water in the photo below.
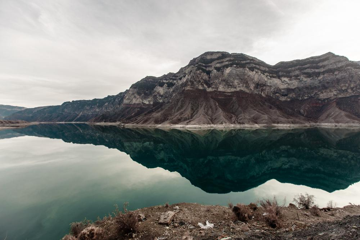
(235, 160)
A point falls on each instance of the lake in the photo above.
(52, 175)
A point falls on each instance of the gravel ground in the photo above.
(336, 223)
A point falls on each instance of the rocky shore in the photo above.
(266, 220)
(232, 126)
(6, 124)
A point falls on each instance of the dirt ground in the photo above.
(335, 223)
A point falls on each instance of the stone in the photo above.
(291, 205)
(141, 217)
(187, 238)
(91, 233)
(69, 237)
(167, 217)
(244, 228)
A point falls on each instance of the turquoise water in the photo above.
(52, 175)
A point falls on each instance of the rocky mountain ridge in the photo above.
(224, 88)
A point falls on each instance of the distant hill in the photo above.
(224, 88)
(7, 110)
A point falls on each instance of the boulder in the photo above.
(167, 217)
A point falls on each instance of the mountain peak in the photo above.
(320, 59)
(229, 88)
(209, 57)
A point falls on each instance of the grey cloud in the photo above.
(87, 48)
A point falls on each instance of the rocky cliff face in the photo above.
(224, 88)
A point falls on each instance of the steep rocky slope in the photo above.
(6, 110)
(224, 88)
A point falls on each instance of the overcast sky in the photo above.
(53, 51)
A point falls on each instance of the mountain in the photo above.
(7, 110)
(75, 111)
(225, 161)
(224, 88)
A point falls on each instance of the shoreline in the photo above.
(181, 221)
(219, 126)
(241, 126)
(4, 126)
(199, 127)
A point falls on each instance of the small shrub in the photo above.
(91, 233)
(271, 205)
(272, 213)
(77, 227)
(126, 204)
(242, 212)
(69, 237)
(315, 211)
(117, 210)
(331, 205)
(127, 223)
(304, 202)
(272, 220)
(253, 206)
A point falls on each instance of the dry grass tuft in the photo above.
(77, 227)
(272, 213)
(127, 223)
(304, 201)
(69, 237)
(242, 212)
(331, 205)
(253, 206)
(315, 211)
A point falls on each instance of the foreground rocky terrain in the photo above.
(181, 221)
(224, 88)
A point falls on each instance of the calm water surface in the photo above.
(52, 175)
